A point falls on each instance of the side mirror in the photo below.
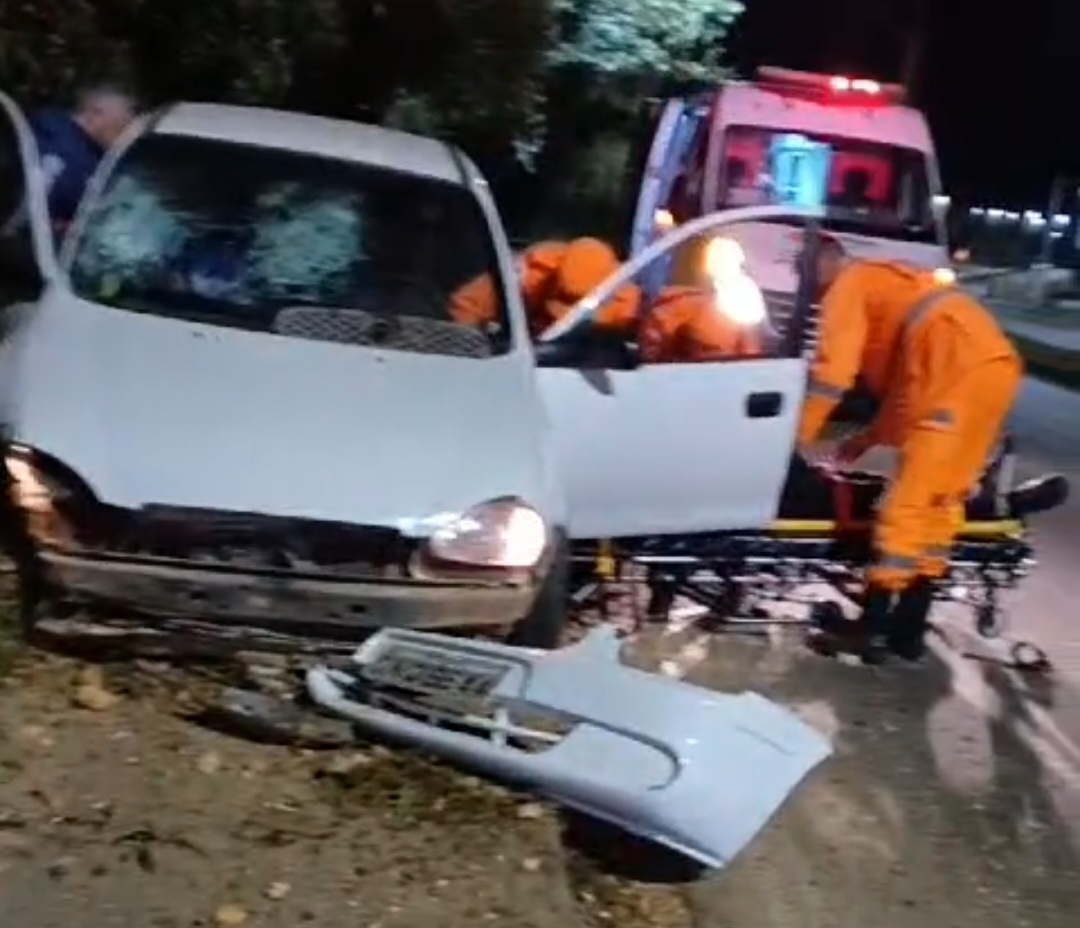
(591, 351)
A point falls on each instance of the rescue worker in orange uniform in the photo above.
(684, 323)
(553, 277)
(946, 376)
(721, 317)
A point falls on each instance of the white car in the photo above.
(234, 391)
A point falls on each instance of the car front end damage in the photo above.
(288, 575)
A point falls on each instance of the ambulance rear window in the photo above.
(867, 188)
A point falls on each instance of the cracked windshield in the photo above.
(262, 239)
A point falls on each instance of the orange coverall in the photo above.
(553, 277)
(684, 325)
(946, 376)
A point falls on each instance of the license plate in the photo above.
(449, 680)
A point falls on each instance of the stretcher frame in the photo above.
(736, 576)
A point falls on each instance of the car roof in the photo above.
(313, 135)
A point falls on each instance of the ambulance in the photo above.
(846, 146)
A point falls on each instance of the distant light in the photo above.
(840, 84)
(865, 86)
(944, 276)
(994, 214)
(664, 220)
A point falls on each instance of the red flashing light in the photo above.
(855, 85)
(851, 89)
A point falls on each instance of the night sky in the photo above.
(998, 90)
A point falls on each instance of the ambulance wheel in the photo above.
(1030, 658)
(543, 626)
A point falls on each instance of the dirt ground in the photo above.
(119, 808)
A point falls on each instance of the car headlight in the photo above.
(501, 533)
(44, 501)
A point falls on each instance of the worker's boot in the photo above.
(910, 620)
(865, 637)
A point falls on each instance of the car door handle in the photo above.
(764, 405)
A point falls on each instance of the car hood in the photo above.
(157, 410)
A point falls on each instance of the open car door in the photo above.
(670, 448)
(29, 239)
(27, 251)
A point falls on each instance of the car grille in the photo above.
(372, 330)
(256, 541)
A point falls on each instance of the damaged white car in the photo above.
(233, 391)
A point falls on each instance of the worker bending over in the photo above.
(553, 277)
(946, 377)
(718, 319)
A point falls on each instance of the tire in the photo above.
(544, 624)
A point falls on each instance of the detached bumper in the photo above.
(698, 771)
(267, 598)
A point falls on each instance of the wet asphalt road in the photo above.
(953, 798)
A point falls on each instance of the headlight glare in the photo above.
(740, 299)
(504, 533)
(43, 500)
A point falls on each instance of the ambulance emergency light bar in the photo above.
(836, 87)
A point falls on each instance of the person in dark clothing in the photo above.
(71, 143)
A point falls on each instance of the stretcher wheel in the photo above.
(987, 621)
(827, 616)
(1030, 658)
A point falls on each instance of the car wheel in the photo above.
(543, 626)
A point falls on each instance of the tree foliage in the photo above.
(507, 79)
(680, 39)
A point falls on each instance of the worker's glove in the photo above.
(823, 459)
(853, 448)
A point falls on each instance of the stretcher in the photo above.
(814, 552)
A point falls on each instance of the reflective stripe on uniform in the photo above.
(938, 418)
(824, 390)
(924, 305)
(896, 562)
(943, 418)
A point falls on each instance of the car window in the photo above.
(17, 252)
(12, 180)
(297, 245)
